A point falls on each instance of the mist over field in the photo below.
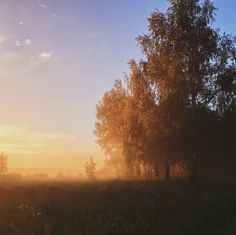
(117, 117)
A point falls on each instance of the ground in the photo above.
(118, 207)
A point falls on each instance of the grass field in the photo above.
(118, 207)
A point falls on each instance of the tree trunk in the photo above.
(194, 170)
(167, 169)
(156, 170)
(193, 177)
(138, 169)
(145, 171)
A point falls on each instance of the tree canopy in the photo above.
(177, 105)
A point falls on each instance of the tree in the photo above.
(122, 121)
(3, 163)
(110, 124)
(90, 169)
(179, 100)
(186, 59)
(137, 102)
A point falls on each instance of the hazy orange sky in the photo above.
(57, 58)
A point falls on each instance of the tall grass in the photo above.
(118, 207)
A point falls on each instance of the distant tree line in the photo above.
(178, 104)
(3, 163)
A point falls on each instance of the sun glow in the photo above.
(26, 147)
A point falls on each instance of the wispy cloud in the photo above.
(15, 61)
(45, 55)
(42, 4)
(21, 140)
(27, 42)
(17, 43)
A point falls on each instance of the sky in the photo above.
(57, 58)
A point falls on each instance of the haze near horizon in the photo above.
(57, 58)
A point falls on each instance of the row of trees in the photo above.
(178, 104)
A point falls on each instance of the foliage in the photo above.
(90, 169)
(175, 104)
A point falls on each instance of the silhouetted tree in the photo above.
(90, 169)
(111, 124)
(186, 59)
(178, 102)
